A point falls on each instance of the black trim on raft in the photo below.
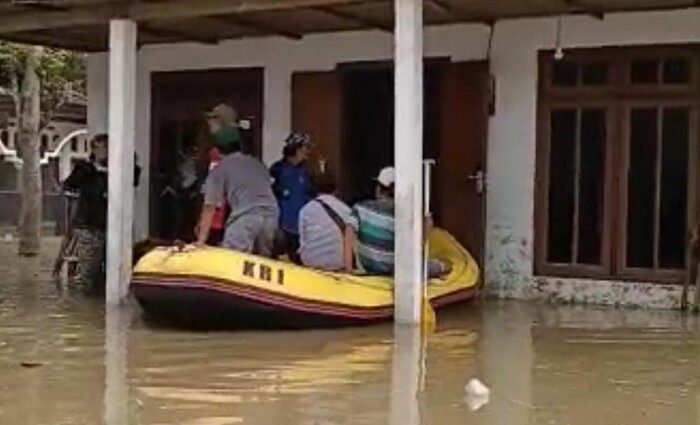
(261, 294)
(202, 308)
(202, 302)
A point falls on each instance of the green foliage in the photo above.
(57, 70)
(12, 57)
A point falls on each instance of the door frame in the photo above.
(159, 82)
(439, 63)
(342, 68)
(483, 140)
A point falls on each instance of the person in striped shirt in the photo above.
(375, 235)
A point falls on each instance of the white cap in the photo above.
(386, 177)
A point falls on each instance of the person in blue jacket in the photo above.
(292, 187)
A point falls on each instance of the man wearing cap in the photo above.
(222, 122)
(375, 248)
(221, 115)
(244, 183)
(292, 187)
(375, 239)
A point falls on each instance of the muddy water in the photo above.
(65, 360)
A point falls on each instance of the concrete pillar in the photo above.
(122, 133)
(277, 120)
(408, 146)
(407, 374)
(116, 396)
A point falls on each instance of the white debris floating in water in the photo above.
(478, 394)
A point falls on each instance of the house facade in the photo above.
(63, 142)
(589, 160)
(565, 132)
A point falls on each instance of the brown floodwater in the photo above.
(64, 359)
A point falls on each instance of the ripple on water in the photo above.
(543, 364)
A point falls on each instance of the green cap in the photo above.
(228, 136)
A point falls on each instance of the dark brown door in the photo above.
(456, 125)
(179, 101)
(461, 159)
(316, 108)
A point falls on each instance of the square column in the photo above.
(122, 133)
(408, 156)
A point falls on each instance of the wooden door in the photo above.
(461, 159)
(179, 100)
(316, 108)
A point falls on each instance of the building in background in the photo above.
(63, 141)
(566, 133)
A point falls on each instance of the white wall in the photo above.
(280, 57)
(511, 164)
(511, 149)
(97, 95)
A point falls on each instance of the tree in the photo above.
(29, 117)
(36, 79)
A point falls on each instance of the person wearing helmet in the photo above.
(292, 187)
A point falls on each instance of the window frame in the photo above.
(655, 273)
(542, 197)
(615, 97)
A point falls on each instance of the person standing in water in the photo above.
(88, 181)
(292, 187)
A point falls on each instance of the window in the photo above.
(574, 73)
(576, 164)
(617, 129)
(660, 71)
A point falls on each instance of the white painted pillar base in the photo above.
(122, 133)
(407, 373)
(116, 395)
(408, 155)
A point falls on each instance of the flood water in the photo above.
(65, 360)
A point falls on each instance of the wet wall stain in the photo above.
(509, 274)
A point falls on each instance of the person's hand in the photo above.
(190, 247)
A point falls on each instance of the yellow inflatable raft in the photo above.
(215, 287)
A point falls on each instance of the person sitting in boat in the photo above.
(244, 183)
(375, 246)
(326, 229)
(292, 187)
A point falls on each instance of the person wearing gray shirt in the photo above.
(244, 182)
(326, 230)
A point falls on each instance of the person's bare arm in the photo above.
(205, 219)
(348, 248)
(213, 196)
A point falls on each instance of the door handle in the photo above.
(479, 179)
